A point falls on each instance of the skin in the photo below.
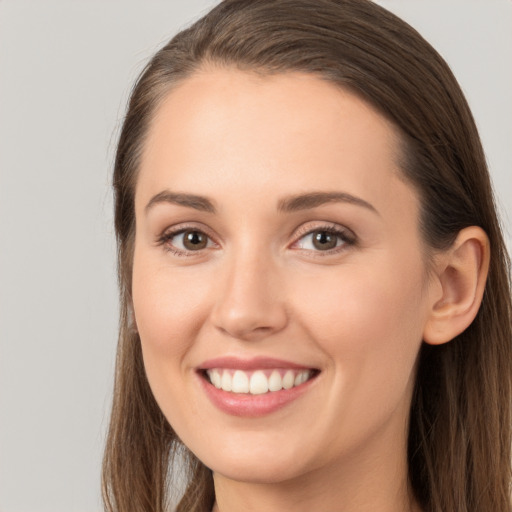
(260, 288)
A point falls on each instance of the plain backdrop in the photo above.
(66, 69)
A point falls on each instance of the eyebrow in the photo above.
(189, 200)
(286, 205)
(314, 199)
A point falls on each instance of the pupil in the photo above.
(324, 240)
(194, 240)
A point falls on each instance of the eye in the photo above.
(324, 239)
(186, 240)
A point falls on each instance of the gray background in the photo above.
(66, 69)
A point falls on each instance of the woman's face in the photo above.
(276, 241)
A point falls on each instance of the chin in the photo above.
(262, 472)
(254, 467)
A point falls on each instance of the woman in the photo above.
(316, 309)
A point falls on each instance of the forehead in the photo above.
(294, 131)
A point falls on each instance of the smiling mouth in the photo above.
(258, 382)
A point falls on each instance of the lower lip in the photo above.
(247, 405)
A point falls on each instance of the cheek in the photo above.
(369, 326)
(368, 319)
(168, 309)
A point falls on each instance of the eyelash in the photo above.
(346, 236)
(167, 236)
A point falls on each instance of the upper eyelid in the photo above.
(303, 229)
(180, 228)
(307, 229)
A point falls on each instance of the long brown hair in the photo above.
(460, 420)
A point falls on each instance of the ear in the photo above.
(461, 273)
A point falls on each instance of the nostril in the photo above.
(247, 333)
(251, 323)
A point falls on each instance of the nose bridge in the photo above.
(249, 304)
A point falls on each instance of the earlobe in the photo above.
(461, 273)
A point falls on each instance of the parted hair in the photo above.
(459, 439)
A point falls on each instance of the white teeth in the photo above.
(215, 378)
(275, 382)
(257, 382)
(288, 380)
(301, 378)
(226, 381)
(240, 382)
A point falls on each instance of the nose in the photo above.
(250, 303)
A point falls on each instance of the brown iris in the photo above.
(323, 240)
(194, 240)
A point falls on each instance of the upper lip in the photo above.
(254, 363)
